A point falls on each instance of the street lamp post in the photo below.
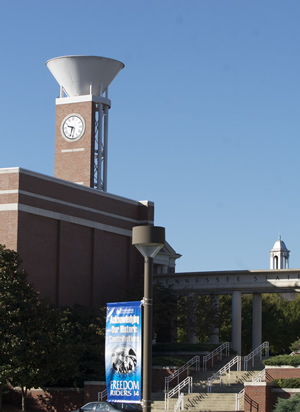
(148, 240)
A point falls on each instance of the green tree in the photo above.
(280, 318)
(164, 308)
(281, 322)
(34, 336)
(295, 346)
(288, 405)
(247, 323)
(85, 330)
(200, 314)
(225, 316)
(164, 313)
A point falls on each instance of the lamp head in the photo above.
(148, 239)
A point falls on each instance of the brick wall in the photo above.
(74, 159)
(52, 400)
(262, 396)
(69, 399)
(257, 396)
(91, 390)
(75, 242)
(281, 372)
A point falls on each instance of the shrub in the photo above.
(295, 346)
(288, 405)
(183, 347)
(288, 383)
(168, 361)
(281, 360)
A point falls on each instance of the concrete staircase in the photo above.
(222, 397)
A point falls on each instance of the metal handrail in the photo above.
(211, 355)
(260, 377)
(237, 399)
(168, 379)
(102, 395)
(179, 405)
(226, 368)
(252, 355)
(187, 381)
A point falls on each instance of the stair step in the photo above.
(222, 397)
(203, 402)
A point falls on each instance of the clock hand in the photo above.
(72, 130)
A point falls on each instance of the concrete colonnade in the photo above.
(236, 340)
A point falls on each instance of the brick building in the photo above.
(75, 241)
(75, 238)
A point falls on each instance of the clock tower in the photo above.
(81, 126)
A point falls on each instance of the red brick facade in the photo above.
(68, 399)
(257, 397)
(74, 160)
(281, 372)
(262, 396)
(75, 241)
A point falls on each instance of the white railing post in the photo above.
(261, 376)
(102, 395)
(168, 379)
(211, 355)
(188, 381)
(226, 368)
(251, 355)
(208, 387)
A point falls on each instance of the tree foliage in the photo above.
(295, 346)
(164, 313)
(225, 326)
(280, 319)
(43, 345)
(283, 360)
(199, 315)
(288, 405)
(288, 383)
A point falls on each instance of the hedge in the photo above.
(288, 383)
(283, 360)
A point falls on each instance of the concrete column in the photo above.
(256, 320)
(214, 334)
(236, 343)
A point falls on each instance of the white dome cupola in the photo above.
(279, 255)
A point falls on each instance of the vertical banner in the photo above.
(123, 352)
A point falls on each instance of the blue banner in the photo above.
(123, 352)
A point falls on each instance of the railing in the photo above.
(237, 399)
(237, 360)
(260, 377)
(102, 395)
(215, 352)
(168, 379)
(186, 382)
(180, 403)
(252, 355)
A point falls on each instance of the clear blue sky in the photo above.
(204, 119)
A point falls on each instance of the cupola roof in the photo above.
(279, 245)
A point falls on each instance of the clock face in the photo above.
(73, 127)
